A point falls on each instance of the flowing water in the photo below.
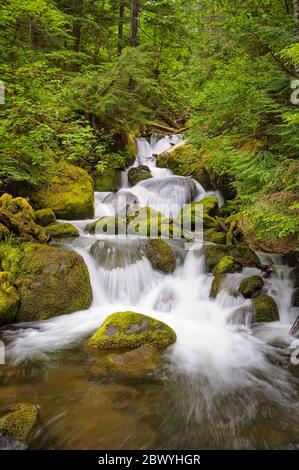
(225, 383)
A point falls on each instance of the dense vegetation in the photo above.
(83, 76)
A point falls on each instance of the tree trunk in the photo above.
(135, 11)
(77, 35)
(296, 9)
(121, 26)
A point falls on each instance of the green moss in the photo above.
(45, 217)
(52, 281)
(146, 221)
(69, 192)
(250, 286)
(139, 173)
(215, 288)
(62, 230)
(19, 422)
(226, 265)
(214, 253)
(210, 205)
(266, 309)
(9, 299)
(161, 255)
(4, 232)
(129, 330)
(212, 235)
(191, 215)
(10, 257)
(108, 180)
(109, 224)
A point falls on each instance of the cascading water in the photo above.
(226, 384)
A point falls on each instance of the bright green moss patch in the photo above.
(19, 422)
(266, 309)
(161, 255)
(242, 254)
(129, 330)
(62, 230)
(212, 235)
(9, 299)
(108, 180)
(251, 286)
(226, 265)
(210, 205)
(45, 217)
(215, 288)
(110, 225)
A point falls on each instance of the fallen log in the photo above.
(266, 268)
(170, 130)
(295, 328)
(169, 120)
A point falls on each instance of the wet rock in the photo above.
(216, 286)
(129, 330)
(110, 225)
(106, 181)
(266, 309)
(45, 217)
(213, 236)
(139, 173)
(137, 363)
(242, 315)
(62, 230)
(161, 255)
(9, 299)
(295, 276)
(19, 422)
(295, 298)
(191, 216)
(251, 286)
(112, 254)
(214, 253)
(226, 265)
(209, 204)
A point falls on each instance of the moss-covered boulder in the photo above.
(251, 286)
(139, 173)
(226, 265)
(192, 216)
(213, 236)
(18, 217)
(19, 422)
(145, 222)
(106, 181)
(161, 255)
(4, 232)
(62, 230)
(295, 298)
(215, 287)
(266, 309)
(68, 191)
(45, 217)
(210, 205)
(9, 299)
(214, 253)
(129, 330)
(110, 225)
(51, 281)
(136, 363)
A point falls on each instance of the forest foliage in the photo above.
(81, 74)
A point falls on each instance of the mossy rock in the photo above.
(191, 216)
(215, 287)
(20, 421)
(226, 265)
(136, 363)
(68, 191)
(161, 255)
(20, 219)
(214, 253)
(62, 230)
(213, 236)
(295, 298)
(45, 217)
(110, 225)
(129, 330)
(145, 222)
(52, 281)
(266, 309)
(9, 299)
(4, 232)
(251, 286)
(210, 205)
(107, 181)
(138, 174)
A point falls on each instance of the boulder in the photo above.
(214, 253)
(45, 217)
(106, 181)
(9, 299)
(226, 265)
(266, 309)
(295, 298)
(51, 281)
(19, 422)
(129, 330)
(251, 286)
(215, 287)
(191, 215)
(68, 191)
(136, 363)
(109, 224)
(161, 255)
(139, 173)
(213, 236)
(210, 205)
(62, 230)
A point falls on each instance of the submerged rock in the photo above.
(215, 287)
(51, 281)
(226, 265)
(19, 422)
(62, 230)
(69, 192)
(9, 299)
(137, 363)
(129, 330)
(138, 173)
(161, 255)
(251, 286)
(45, 217)
(266, 309)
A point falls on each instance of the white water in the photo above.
(215, 340)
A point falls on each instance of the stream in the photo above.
(225, 383)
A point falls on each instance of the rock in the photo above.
(161, 255)
(52, 281)
(45, 217)
(69, 192)
(110, 225)
(113, 254)
(251, 286)
(9, 299)
(266, 309)
(215, 287)
(295, 298)
(107, 181)
(136, 363)
(19, 422)
(190, 216)
(209, 204)
(139, 173)
(211, 235)
(226, 265)
(62, 230)
(145, 222)
(214, 253)
(129, 330)
(295, 276)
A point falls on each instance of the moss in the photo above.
(19, 422)
(191, 215)
(10, 257)
(161, 255)
(215, 288)
(4, 232)
(139, 173)
(107, 181)
(226, 265)
(213, 236)
(137, 363)
(45, 217)
(251, 286)
(109, 224)
(266, 309)
(62, 230)
(210, 205)
(52, 281)
(69, 192)
(129, 330)
(9, 299)
(146, 221)
(214, 253)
